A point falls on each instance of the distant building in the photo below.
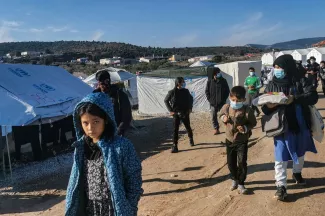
(8, 55)
(201, 58)
(117, 61)
(30, 53)
(153, 58)
(82, 60)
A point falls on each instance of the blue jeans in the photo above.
(214, 114)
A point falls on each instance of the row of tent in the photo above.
(38, 95)
(34, 94)
(298, 54)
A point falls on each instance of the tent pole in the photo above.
(8, 150)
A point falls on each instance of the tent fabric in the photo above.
(201, 64)
(117, 75)
(34, 92)
(236, 72)
(153, 90)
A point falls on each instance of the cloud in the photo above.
(97, 35)
(251, 30)
(5, 35)
(10, 23)
(186, 40)
(74, 31)
(36, 30)
(58, 29)
(28, 14)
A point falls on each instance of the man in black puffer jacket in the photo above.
(122, 106)
(322, 74)
(217, 93)
(313, 70)
(179, 103)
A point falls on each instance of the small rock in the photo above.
(173, 175)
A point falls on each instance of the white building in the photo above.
(150, 59)
(285, 52)
(268, 58)
(30, 53)
(318, 53)
(300, 54)
(201, 58)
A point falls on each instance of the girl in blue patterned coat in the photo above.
(106, 173)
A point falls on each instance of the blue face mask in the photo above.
(252, 73)
(184, 85)
(279, 73)
(236, 105)
(219, 75)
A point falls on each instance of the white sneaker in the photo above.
(234, 185)
(242, 189)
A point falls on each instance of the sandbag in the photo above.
(271, 97)
(317, 124)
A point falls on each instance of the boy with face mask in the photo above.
(322, 74)
(239, 120)
(253, 84)
(179, 103)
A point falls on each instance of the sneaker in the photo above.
(234, 185)
(297, 177)
(191, 142)
(217, 132)
(281, 193)
(242, 189)
(174, 149)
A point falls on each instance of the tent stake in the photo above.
(8, 150)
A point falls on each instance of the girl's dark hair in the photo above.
(239, 92)
(94, 110)
(178, 80)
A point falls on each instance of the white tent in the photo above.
(300, 54)
(32, 92)
(268, 58)
(153, 90)
(285, 52)
(236, 72)
(201, 64)
(119, 75)
(318, 53)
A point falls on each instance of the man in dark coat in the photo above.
(122, 106)
(179, 103)
(313, 70)
(217, 93)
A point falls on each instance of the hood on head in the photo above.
(103, 102)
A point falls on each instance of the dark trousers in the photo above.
(250, 98)
(214, 114)
(185, 118)
(237, 161)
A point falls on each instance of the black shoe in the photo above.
(191, 142)
(297, 177)
(281, 193)
(174, 149)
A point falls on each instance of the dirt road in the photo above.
(195, 181)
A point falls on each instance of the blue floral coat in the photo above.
(121, 162)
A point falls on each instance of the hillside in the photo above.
(110, 49)
(294, 44)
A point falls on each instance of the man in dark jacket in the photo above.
(122, 106)
(322, 74)
(313, 70)
(179, 103)
(217, 93)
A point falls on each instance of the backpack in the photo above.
(247, 109)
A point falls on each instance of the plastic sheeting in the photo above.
(153, 90)
(32, 92)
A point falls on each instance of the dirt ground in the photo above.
(193, 182)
